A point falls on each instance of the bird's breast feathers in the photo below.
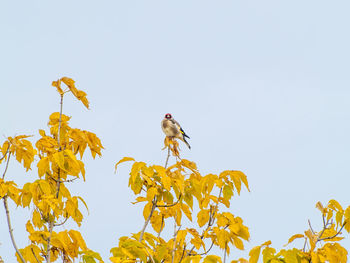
(169, 128)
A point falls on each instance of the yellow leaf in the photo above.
(320, 207)
(333, 204)
(292, 238)
(157, 221)
(59, 160)
(187, 211)
(57, 84)
(76, 236)
(26, 198)
(203, 217)
(147, 210)
(243, 179)
(255, 252)
(79, 94)
(42, 133)
(125, 159)
(166, 181)
(339, 217)
(227, 192)
(238, 243)
(151, 193)
(312, 239)
(43, 166)
(139, 199)
(212, 259)
(81, 199)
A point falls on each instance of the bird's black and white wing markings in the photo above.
(179, 127)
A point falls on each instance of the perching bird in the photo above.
(172, 128)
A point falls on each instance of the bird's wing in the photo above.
(179, 127)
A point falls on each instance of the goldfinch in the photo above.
(172, 128)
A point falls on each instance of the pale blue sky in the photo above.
(259, 86)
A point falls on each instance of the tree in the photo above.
(60, 153)
(177, 198)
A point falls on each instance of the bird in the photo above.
(172, 129)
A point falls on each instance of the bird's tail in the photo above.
(188, 145)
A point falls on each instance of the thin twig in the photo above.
(225, 252)
(175, 235)
(161, 226)
(325, 224)
(7, 165)
(183, 253)
(178, 200)
(174, 245)
(37, 260)
(305, 244)
(154, 204)
(167, 158)
(210, 222)
(11, 230)
(5, 153)
(206, 252)
(313, 232)
(320, 239)
(62, 182)
(150, 255)
(60, 224)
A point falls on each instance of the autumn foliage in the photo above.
(186, 214)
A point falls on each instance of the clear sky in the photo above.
(259, 86)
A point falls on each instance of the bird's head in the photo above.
(168, 116)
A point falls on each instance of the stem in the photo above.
(325, 224)
(313, 232)
(167, 158)
(11, 230)
(60, 123)
(58, 184)
(174, 246)
(154, 204)
(178, 200)
(175, 235)
(183, 253)
(7, 165)
(37, 260)
(225, 253)
(210, 223)
(8, 148)
(161, 226)
(320, 239)
(305, 244)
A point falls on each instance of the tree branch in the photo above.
(325, 224)
(60, 224)
(183, 253)
(11, 230)
(58, 184)
(161, 226)
(325, 238)
(37, 260)
(167, 158)
(206, 252)
(225, 252)
(5, 153)
(7, 165)
(210, 222)
(154, 204)
(174, 246)
(171, 204)
(313, 232)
